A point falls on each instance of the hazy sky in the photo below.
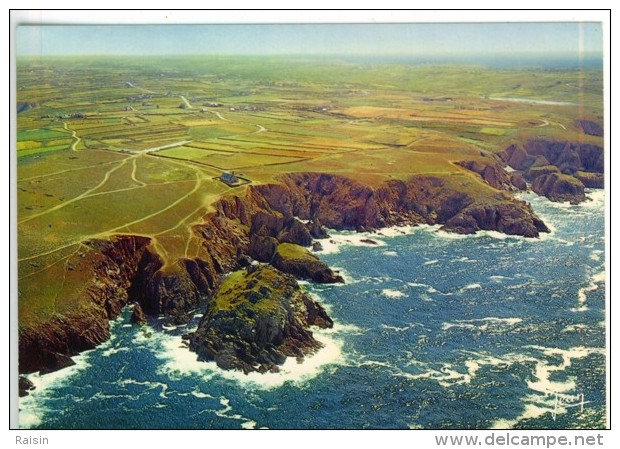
(355, 39)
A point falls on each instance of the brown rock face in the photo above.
(591, 180)
(109, 267)
(589, 127)
(137, 316)
(558, 169)
(558, 187)
(505, 218)
(517, 180)
(492, 173)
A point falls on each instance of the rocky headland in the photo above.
(270, 223)
(258, 318)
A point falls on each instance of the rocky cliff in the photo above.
(558, 170)
(257, 319)
(106, 269)
(128, 268)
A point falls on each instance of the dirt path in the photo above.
(140, 88)
(163, 147)
(105, 179)
(197, 185)
(221, 117)
(74, 135)
(189, 106)
(133, 173)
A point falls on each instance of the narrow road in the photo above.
(163, 147)
(189, 106)
(140, 88)
(74, 135)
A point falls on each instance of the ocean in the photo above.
(432, 331)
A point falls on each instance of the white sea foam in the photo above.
(464, 259)
(582, 293)
(499, 278)
(200, 395)
(401, 329)
(150, 385)
(596, 199)
(483, 324)
(417, 284)
(338, 239)
(431, 262)
(111, 351)
(550, 396)
(178, 361)
(390, 253)
(471, 287)
(391, 293)
(31, 407)
(332, 244)
(575, 328)
(394, 231)
(348, 279)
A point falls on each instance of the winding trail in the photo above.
(91, 192)
(197, 185)
(81, 196)
(133, 174)
(221, 117)
(74, 135)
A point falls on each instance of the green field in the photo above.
(90, 162)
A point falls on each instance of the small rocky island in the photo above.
(258, 318)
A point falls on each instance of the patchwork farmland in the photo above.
(106, 147)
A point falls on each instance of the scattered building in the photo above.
(229, 178)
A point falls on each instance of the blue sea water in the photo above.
(433, 330)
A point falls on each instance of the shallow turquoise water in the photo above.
(432, 331)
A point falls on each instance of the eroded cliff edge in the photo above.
(559, 170)
(247, 226)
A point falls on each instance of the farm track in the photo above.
(73, 135)
(187, 103)
(200, 176)
(197, 185)
(105, 179)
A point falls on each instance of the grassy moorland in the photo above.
(135, 145)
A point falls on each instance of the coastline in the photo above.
(174, 290)
(181, 361)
